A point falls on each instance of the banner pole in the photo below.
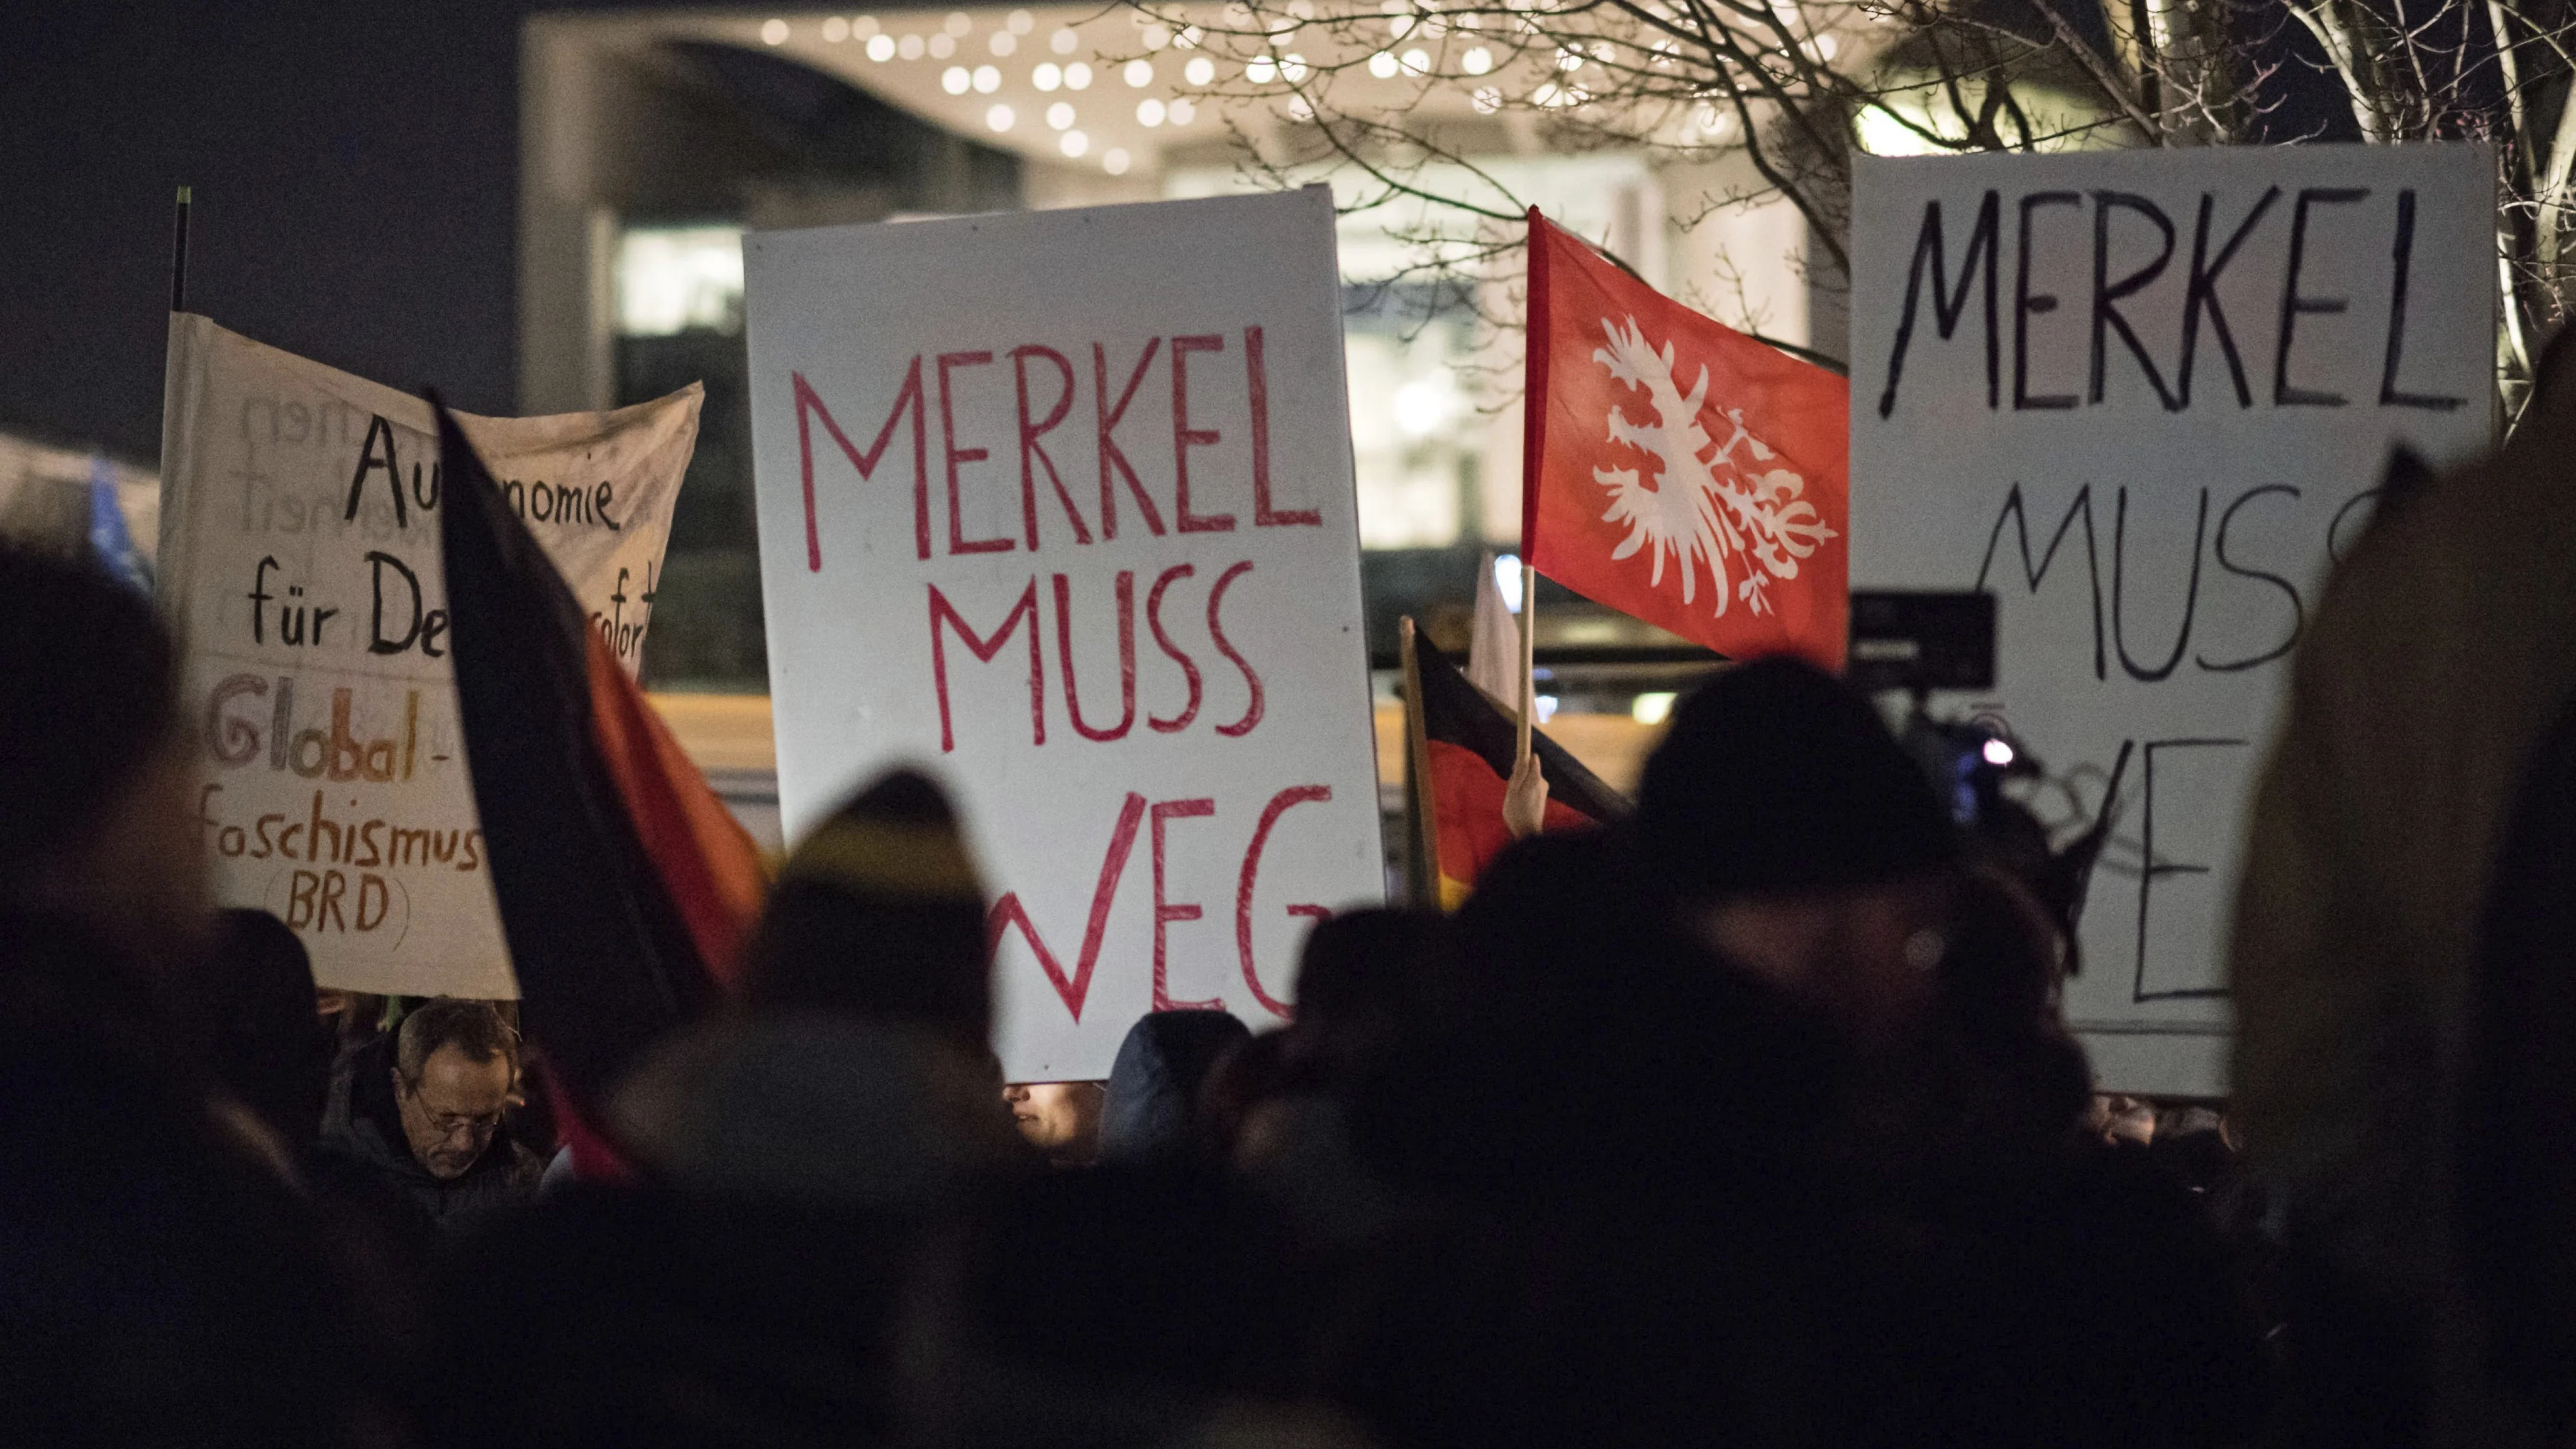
(1529, 660)
(1422, 855)
(179, 254)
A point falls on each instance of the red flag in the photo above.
(1678, 470)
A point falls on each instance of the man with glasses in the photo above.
(434, 1135)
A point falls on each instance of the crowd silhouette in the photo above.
(1751, 1120)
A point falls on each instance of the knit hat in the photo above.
(817, 1106)
(880, 914)
(1776, 778)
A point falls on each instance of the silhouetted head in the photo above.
(1777, 779)
(1579, 1043)
(1151, 1111)
(100, 823)
(251, 1005)
(1801, 842)
(880, 914)
(1365, 969)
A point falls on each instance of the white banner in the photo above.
(300, 564)
(2143, 396)
(1059, 505)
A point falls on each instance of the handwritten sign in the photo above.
(2144, 397)
(1060, 506)
(300, 563)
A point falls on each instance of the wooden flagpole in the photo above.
(1529, 661)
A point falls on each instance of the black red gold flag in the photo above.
(625, 886)
(1460, 746)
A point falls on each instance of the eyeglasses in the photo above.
(452, 1124)
(449, 1124)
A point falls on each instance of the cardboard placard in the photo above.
(300, 564)
(2144, 396)
(1059, 506)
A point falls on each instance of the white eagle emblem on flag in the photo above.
(1719, 510)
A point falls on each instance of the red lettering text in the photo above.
(1008, 912)
(958, 542)
(1257, 379)
(943, 613)
(1189, 670)
(809, 405)
(1166, 911)
(1184, 437)
(1279, 805)
(1030, 448)
(1110, 455)
(1216, 630)
(1126, 656)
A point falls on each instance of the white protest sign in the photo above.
(2143, 396)
(1059, 505)
(300, 564)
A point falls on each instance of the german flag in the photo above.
(1459, 749)
(626, 888)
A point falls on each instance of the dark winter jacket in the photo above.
(157, 1279)
(364, 1156)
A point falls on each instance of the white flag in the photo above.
(300, 566)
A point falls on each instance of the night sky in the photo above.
(355, 167)
(356, 172)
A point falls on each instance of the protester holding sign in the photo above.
(1060, 505)
(2143, 398)
(1752, 1114)
(301, 561)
